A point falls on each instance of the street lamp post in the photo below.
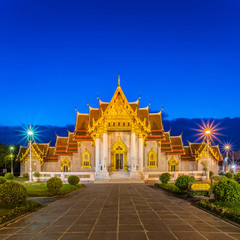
(30, 139)
(208, 135)
(11, 158)
(227, 149)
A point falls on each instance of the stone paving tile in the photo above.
(121, 212)
(188, 236)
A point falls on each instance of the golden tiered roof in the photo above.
(119, 115)
(195, 151)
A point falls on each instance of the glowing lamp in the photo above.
(11, 148)
(30, 132)
(208, 132)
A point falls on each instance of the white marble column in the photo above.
(140, 143)
(133, 150)
(105, 151)
(134, 174)
(97, 154)
(79, 157)
(103, 173)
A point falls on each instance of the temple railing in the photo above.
(198, 175)
(83, 176)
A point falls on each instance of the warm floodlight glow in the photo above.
(11, 155)
(208, 131)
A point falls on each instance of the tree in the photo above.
(205, 168)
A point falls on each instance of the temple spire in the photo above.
(119, 79)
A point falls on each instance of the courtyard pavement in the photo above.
(122, 212)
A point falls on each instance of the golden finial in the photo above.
(139, 96)
(87, 103)
(75, 108)
(119, 79)
(97, 96)
(149, 103)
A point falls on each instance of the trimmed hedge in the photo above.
(9, 176)
(12, 194)
(2, 180)
(29, 206)
(226, 190)
(170, 188)
(229, 175)
(211, 173)
(36, 174)
(182, 182)
(26, 175)
(237, 177)
(165, 177)
(73, 180)
(224, 212)
(54, 184)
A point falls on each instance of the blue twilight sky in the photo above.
(184, 55)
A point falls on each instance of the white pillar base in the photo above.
(103, 174)
(134, 174)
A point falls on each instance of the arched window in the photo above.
(152, 159)
(86, 159)
(173, 165)
(65, 165)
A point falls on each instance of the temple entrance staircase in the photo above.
(120, 176)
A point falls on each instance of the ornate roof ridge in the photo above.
(100, 101)
(91, 108)
(78, 113)
(147, 107)
(157, 113)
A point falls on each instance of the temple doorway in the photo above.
(119, 156)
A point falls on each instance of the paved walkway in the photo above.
(122, 212)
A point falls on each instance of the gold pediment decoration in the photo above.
(119, 116)
(202, 153)
(36, 153)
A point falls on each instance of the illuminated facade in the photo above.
(119, 140)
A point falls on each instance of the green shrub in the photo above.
(211, 174)
(226, 190)
(36, 174)
(169, 188)
(54, 184)
(229, 175)
(182, 182)
(165, 177)
(73, 180)
(224, 212)
(25, 175)
(2, 180)
(12, 194)
(237, 177)
(9, 176)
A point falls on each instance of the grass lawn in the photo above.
(235, 206)
(17, 179)
(41, 190)
(7, 214)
